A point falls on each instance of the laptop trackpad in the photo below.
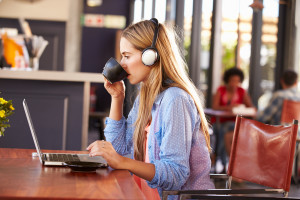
(87, 158)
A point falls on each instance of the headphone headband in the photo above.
(155, 21)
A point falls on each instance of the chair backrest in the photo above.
(262, 153)
(290, 111)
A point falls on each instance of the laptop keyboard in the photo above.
(63, 157)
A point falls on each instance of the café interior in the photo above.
(62, 47)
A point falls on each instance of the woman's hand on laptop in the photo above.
(116, 161)
(107, 151)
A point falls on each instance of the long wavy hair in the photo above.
(171, 65)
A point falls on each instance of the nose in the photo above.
(122, 63)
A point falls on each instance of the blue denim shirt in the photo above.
(176, 143)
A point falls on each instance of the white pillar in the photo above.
(73, 37)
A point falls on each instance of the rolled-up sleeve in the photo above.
(178, 117)
(120, 133)
(115, 132)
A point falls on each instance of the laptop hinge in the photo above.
(44, 157)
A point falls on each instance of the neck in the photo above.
(231, 89)
(284, 86)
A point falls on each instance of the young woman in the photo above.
(166, 130)
(231, 94)
(228, 96)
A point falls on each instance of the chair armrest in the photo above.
(228, 197)
(218, 176)
(217, 193)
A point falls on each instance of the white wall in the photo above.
(53, 10)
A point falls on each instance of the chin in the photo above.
(133, 82)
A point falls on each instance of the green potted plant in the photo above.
(6, 109)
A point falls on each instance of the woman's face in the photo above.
(132, 62)
(234, 81)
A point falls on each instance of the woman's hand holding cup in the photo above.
(116, 90)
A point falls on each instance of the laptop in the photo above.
(57, 159)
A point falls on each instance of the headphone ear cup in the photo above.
(149, 56)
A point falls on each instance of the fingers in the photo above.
(91, 146)
(98, 147)
(94, 144)
(107, 151)
(105, 79)
(107, 84)
(98, 153)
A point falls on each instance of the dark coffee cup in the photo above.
(113, 71)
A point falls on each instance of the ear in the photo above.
(283, 85)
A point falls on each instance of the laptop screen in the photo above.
(32, 130)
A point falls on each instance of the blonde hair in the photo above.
(171, 65)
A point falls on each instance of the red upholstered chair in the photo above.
(290, 111)
(261, 154)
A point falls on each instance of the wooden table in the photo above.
(223, 114)
(218, 113)
(23, 177)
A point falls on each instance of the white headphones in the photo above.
(150, 55)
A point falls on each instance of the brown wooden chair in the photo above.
(291, 110)
(261, 154)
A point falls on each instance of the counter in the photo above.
(59, 105)
(52, 76)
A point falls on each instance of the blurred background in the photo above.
(261, 37)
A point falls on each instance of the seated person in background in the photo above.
(226, 98)
(272, 112)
